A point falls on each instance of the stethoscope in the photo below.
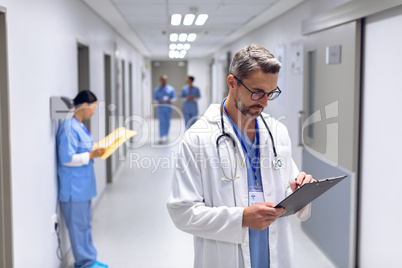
(277, 163)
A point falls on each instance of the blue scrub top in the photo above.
(190, 106)
(160, 94)
(76, 184)
(259, 240)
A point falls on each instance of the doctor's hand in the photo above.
(97, 153)
(301, 179)
(261, 215)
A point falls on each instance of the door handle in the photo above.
(300, 116)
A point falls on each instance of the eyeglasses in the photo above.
(257, 95)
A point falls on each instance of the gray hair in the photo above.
(251, 58)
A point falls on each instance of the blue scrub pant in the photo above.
(190, 112)
(164, 115)
(78, 220)
(189, 119)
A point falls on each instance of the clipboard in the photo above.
(113, 141)
(306, 194)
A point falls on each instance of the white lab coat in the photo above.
(210, 209)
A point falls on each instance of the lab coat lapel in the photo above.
(264, 135)
(240, 185)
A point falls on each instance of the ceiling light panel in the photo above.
(188, 19)
(182, 37)
(174, 37)
(201, 19)
(191, 37)
(175, 19)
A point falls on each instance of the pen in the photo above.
(297, 184)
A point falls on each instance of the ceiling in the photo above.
(146, 23)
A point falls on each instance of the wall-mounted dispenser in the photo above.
(60, 107)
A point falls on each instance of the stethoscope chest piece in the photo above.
(277, 163)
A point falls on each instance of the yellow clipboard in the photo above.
(114, 140)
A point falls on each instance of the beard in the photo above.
(246, 110)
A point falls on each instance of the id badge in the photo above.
(255, 195)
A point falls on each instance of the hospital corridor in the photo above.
(205, 134)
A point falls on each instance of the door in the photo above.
(330, 135)
(83, 73)
(6, 243)
(123, 115)
(108, 111)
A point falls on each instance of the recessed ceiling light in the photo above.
(182, 37)
(188, 19)
(174, 54)
(176, 19)
(201, 19)
(173, 37)
(179, 47)
(191, 37)
(186, 46)
(172, 46)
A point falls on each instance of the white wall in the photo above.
(219, 79)
(42, 54)
(380, 213)
(199, 68)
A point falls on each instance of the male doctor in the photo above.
(227, 200)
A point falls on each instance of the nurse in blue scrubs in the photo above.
(164, 95)
(190, 94)
(77, 179)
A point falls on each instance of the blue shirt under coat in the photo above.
(76, 184)
(259, 240)
(190, 106)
